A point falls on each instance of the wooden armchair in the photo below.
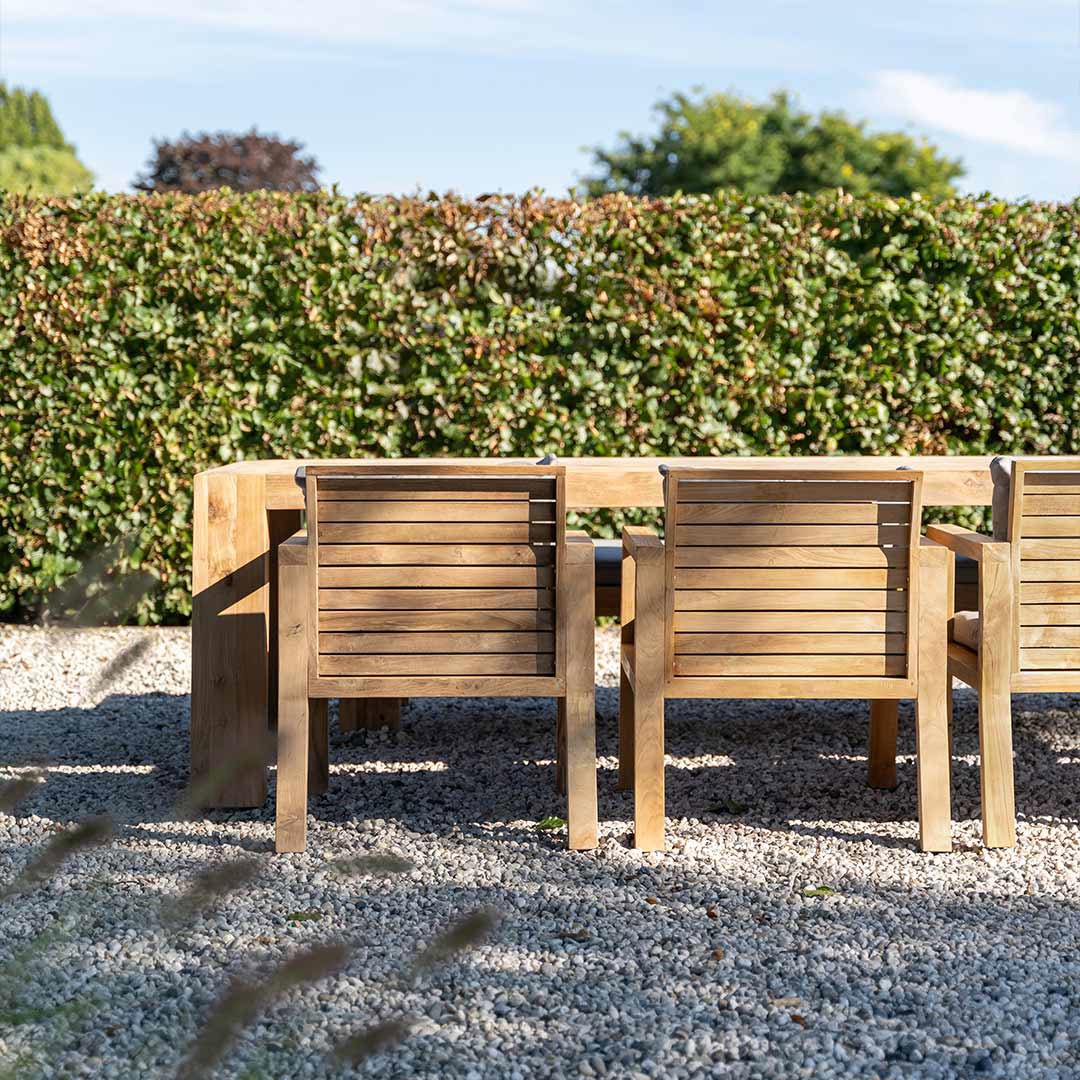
(783, 585)
(1025, 636)
(433, 581)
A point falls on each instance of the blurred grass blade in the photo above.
(372, 866)
(126, 658)
(208, 887)
(464, 934)
(88, 833)
(373, 1040)
(244, 999)
(309, 966)
(95, 594)
(13, 792)
(259, 752)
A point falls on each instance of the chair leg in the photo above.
(649, 703)
(578, 713)
(626, 732)
(881, 772)
(995, 700)
(290, 827)
(318, 747)
(560, 745)
(933, 751)
(995, 751)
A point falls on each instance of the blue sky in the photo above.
(488, 95)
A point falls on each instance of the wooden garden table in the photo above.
(243, 511)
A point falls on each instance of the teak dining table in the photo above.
(243, 511)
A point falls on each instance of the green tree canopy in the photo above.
(35, 158)
(43, 170)
(712, 141)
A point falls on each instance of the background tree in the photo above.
(250, 162)
(35, 158)
(715, 141)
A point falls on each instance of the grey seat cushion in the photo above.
(967, 571)
(607, 559)
(1001, 469)
(966, 629)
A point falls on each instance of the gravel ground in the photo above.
(707, 960)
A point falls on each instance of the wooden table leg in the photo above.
(369, 714)
(882, 768)
(349, 715)
(229, 628)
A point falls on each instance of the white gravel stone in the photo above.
(703, 961)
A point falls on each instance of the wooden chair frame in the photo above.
(997, 669)
(647, 677)
(303, 688)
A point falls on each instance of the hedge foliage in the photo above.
(147, 337)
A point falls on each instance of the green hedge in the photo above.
(144, 338)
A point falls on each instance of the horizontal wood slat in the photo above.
(790, 665)
(463, 487)
(792, 513)
(426, 599)
(435, 533)
(1050, 636)
(791, 535)
(789, 600)
(1050, 548)
(501, 619)
(436, 511)
(1033, 527)
(1050, 659)
(800, 644)
(736, 578)
(1057, 505)
(418, 643)
(806, 557)
(794, 621)
(438, 554)
(1057, 482)
(438, 664)
(438, 577)
(1050, 614)
(774, 491)
(1050, 570)
(1049, 592)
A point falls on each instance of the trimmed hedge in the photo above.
(147, 337)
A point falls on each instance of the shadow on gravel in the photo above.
(469, 766)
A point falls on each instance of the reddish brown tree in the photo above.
(250, 162)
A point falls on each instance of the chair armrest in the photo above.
(294, 550)
(579, 546)
(640, 542)
(965, 542)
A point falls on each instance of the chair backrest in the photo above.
(792, 573)
(1044, 531)
(445, 576)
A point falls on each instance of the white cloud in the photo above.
(614, 29)
(326, 20)
(1009, 118)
